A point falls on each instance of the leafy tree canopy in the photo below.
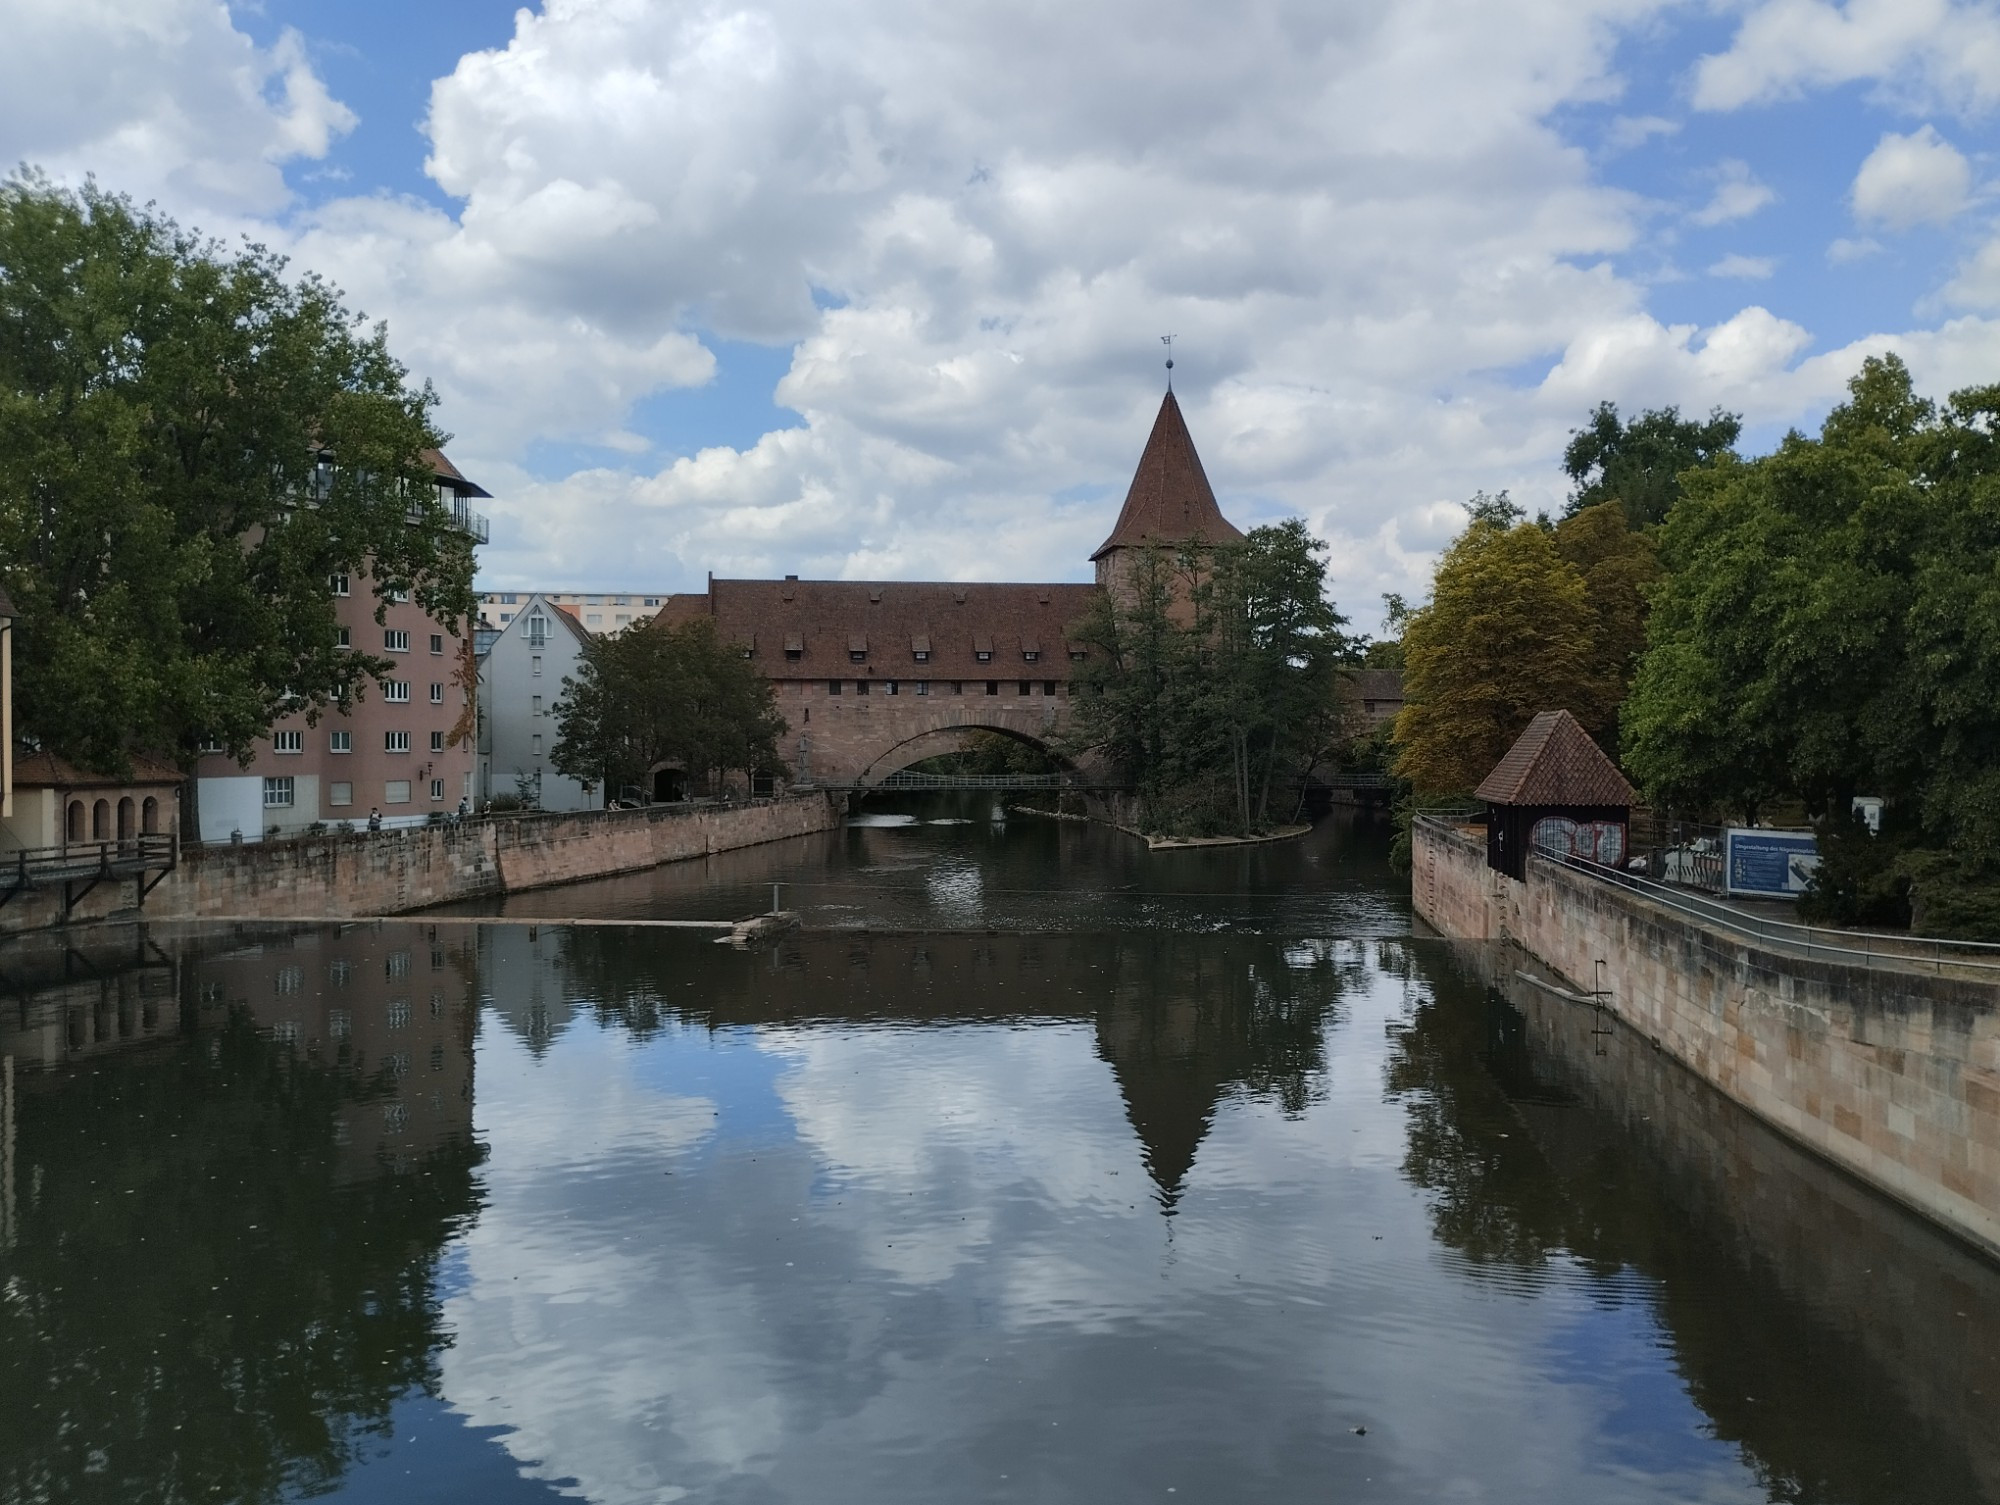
(1212, 673)
(1640, 464)
(167, 532)
(658, 695)
(1618, 566)
(1829, 626)
(1506, 634)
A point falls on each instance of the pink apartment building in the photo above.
(391, 752)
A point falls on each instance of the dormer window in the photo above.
(1031, 650)
(920, 647)
(1031, 654)
(982, 649)
(921, 655)
(857, 648)
(857, 655)
(1077, 655)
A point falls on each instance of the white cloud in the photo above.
(1845, 250)
(1738, 195)
(1918, 179)
(967, 229)
(1926, 54)
(1751, 268)
(1977, 284)
(1629, 131)
(162, 99)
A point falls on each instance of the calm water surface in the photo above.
(1166, 1192)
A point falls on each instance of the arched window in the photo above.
(73, 829)
(149, 817)
(128, 819)
(100, 821)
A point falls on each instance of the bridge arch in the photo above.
(937, 741)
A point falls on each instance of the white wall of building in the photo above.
(520, 681)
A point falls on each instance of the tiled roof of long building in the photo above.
(1170, 500)
(810, 629)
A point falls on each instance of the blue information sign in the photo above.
(1775, 864)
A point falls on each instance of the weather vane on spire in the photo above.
(1168, 341)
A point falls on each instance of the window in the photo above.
(288, 742)
(1077, 655)
(1024, 689)
(396, 792)
(621, 600)
(593, 600)
(338, 584)
(652, 600)
(1031, 654)
(396, 691)
(394, 641)
(624, 618)
(342, 638)
(535, 744)
(1048, 687)
(340, 742)
(437, 642)
(340, 794)
(793, 655)
(594, 619)
(398, 596)
(861, 687)
(437, 693)
(923, 687)
(278, 791)
(958, 687)
(535, 666)
(506, 616)
(833, 687)
(889, 688)
(437, 789)
(395, 742)
(992, 687)
(921, 655)
(538, 628)
(857, 655)
(538, 705)
(437, 741)
(983, 655)
(289, 980)
(509, 599)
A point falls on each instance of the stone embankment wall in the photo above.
(393, 871)
(1892, 1075)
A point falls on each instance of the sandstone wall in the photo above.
(1892, 1075)
(394, 871)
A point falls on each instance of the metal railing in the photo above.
(907, 782)
(32, 867)
(1863, 948)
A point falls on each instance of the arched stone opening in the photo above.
(73, 824)
(100, 821)
(938, 741)
(149, 817)
(128, 819)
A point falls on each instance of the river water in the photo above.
(1034, 1167)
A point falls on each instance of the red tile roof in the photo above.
(446, 471)
(41, 770)
(826, 621)
(1170, 500)
(1554, 762)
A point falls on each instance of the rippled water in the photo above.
(1292, 1207)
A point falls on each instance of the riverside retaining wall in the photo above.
(1892, 1075)
(389, 872)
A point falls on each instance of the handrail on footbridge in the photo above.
(904, 781)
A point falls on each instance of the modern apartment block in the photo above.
(521, 673)
(404, 749)
(594, 612)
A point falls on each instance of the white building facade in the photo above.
(521, 678)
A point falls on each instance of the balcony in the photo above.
(467, 521)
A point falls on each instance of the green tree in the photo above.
(662, 695)
(1640, 464)
(1213, 676)
(1619, 567)
(1505, 635)
(1829, 626)
(1386, 652)
(167, 526)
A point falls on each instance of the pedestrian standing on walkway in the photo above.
(375, 819)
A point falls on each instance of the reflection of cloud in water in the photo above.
(949, 820)
(957, 888)
(882, 819)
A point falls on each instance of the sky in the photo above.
(875, 290)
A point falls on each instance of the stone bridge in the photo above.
(861, 740)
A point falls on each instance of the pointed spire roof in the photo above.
(1170, 501)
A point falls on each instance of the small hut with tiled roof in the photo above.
(1555, 789)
